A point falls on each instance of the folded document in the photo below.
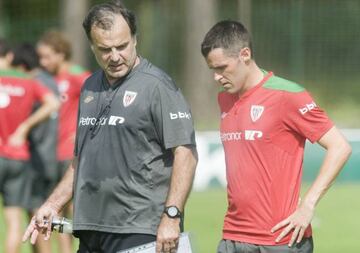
(183, 247)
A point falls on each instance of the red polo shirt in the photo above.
(69, 84)
(18, 93)
(263, 133)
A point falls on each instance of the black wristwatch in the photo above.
(172, 212)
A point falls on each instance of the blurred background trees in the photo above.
(315, 43)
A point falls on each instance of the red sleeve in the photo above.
(302, 115)
(40, 90)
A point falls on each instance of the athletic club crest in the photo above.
(129, 98)
(256, 112)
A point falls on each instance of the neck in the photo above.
(254, 78)
(34, 71)
(64, 67)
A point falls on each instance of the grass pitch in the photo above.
(335, 226)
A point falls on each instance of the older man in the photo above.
(135, 147)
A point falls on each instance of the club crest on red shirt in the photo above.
(129, 98)
(256, 112)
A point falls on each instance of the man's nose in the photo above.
(114, 55)
(217, 77)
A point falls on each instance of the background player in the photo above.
(18, 95)
(42, 138)
(54, 50)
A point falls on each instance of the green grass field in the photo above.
(336, 223)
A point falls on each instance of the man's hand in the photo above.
(298, 222)
(168, 235)
(40, 223)
(18, 138)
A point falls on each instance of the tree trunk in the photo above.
(199, 87)
(73, 14)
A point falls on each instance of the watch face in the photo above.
(172, 211)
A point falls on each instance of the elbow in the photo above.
(344, 150)
(347, 150)
(196, 156)
(54, 104)
(57, 104)
(51, 102)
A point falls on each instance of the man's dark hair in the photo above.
(231, 36)
(4, 48)
(102, 15)
(58, 42)
(25, 55)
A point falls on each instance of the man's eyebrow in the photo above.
(218, 66)
(123, 44)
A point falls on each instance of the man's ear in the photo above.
(135, 40)
(245, 54)
(9, 57)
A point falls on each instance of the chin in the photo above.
(228, 90)
(118, 72)
(231, 91)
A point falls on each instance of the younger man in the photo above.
(265, 121)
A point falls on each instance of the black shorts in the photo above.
(228, 246)
(43, 181)
(13, 182)
(53, 181)
(103, 242)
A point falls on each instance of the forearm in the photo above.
(185, 160)
(49, 105)
(63, 191)
(337, 152)
(335, 158)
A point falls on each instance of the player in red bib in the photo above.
(55, 53)
(18, 94)
(265, 121)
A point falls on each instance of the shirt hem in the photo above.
(22, 158)
(258, 242)
(115, 229)
(181, 142)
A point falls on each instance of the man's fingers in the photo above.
(280, 225)
(47, 233)
(294, 236)
(36, 227)
(284, 233)
(30, 228)
(176, 243)
(28, 232)
(48, 229)
(158, 247)
(301, 235)
(174, 246)
(170, 246)
(41, 222)
(166, 247)
(34, 236)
